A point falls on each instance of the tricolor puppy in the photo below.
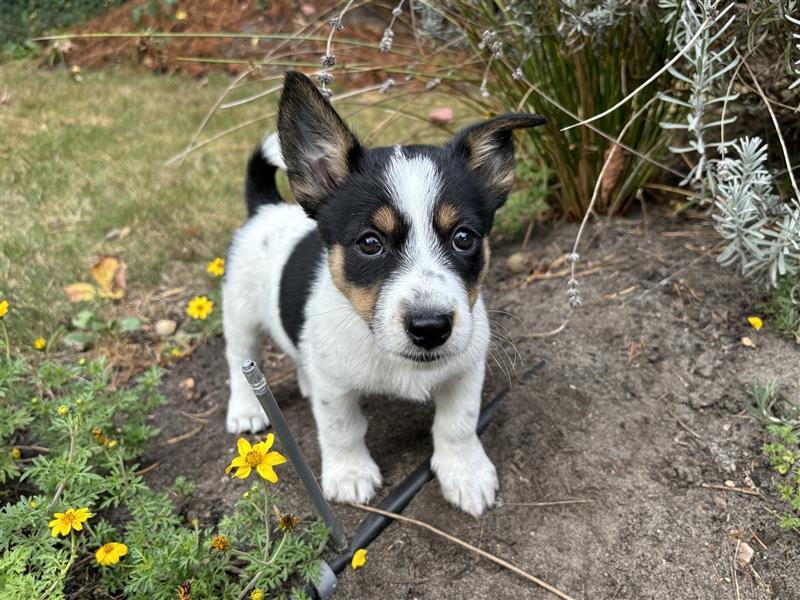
(371, 283)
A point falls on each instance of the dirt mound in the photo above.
(629, 414)
(243, 19)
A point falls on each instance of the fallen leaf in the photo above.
(80, 292)
(5, 97)
(744, 555)
(616, 162)
(746, 341)
(107, 272)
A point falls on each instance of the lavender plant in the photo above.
(762, 231)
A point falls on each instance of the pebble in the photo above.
(165, 327)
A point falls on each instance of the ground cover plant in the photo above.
(118, 268)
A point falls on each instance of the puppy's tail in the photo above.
(260, 187)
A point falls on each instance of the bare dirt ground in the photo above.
(634, 406)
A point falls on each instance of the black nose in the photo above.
(429, 330)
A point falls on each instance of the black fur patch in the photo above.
(297, 278)
(260, 187)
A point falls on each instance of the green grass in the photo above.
(81, 158)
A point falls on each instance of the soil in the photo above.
(634, 406)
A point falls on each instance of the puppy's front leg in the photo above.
(348, 472)
(467, 476)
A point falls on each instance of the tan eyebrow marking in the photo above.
(446, 216)
(385, 219)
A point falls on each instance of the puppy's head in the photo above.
(406, 227)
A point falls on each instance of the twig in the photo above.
(777, 128)
(555, 331)
(725, 488)
(468, 546)
(758, 539)
(214, 108)
(148, 468)
(706, 23)
(686, 427)
(733, 570)
(550, 503)
(185, 436)
(614, 148)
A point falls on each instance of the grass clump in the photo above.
(782, 448)
(69, 447)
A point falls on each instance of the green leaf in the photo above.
(83, 319)
(130, 324)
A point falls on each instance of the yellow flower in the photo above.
(63, 409)
(39, 343)
(3, 308)
(181, 15)
(359, 559)
(756, 322)
(65, 522)
(110, 553)
(33, 503)
(216, 267)
(199, 307)
(257, 594)
(220, 543)
(112, 444)
(15, 453)
(257, 456)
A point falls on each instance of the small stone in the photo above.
(744, 555)
(165, 327)
(747, 342)
(729, 483)
(519, 262)
(187, 384)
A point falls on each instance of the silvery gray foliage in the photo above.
(762, 231)
(702, 70)
(579, 21)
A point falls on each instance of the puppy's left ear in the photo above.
(488, 149)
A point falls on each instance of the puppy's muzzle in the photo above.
(429, 330)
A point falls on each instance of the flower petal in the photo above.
(243, 472)
(274, 458)
(270, 440)
(243, 446)
(267, 472)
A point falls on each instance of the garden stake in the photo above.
(261, 389)
(374, 524)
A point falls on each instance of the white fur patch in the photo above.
(271, 150)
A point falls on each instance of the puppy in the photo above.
(371, 283)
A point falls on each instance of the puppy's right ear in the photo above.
(318, 148)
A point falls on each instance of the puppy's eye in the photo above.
(464, 240)
(370, 244)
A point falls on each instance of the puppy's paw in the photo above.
(245, 414)
(351, 480)
(468, 480)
